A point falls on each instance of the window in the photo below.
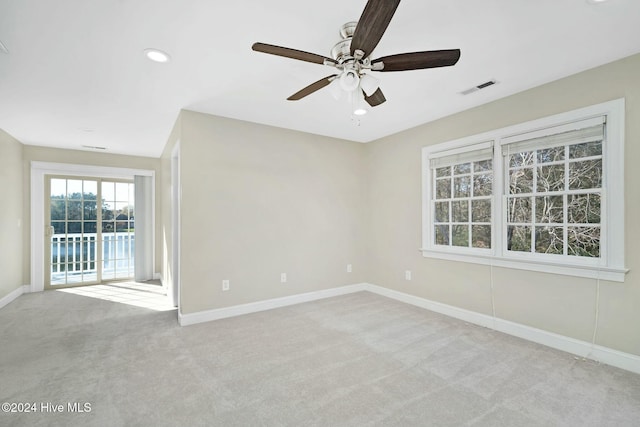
(462, 197)
(554, 192)
(546, 195)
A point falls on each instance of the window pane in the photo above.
(584, 209)
(460, 235)
(58, 209)
(443, 188)
(550, 178)
(484, 165)
(122, 191)
(90, 210)
(460, 211)
(74, 189)
(483, 184)
(549, 240)
(586, 174)
(551, 154)
(60, 227)
(462, 168)
(58, 188)
(462, 186)
(108, 191)
(442, 211)
(481, 236)
(584, 241)
(519, 238)
(90, 190)
(107, 212)
(585, 150)
(446, 171)
(521, 181)
(442, 234)
(519, 209)
(74, 209)
(75, 227)
(90, 227)
(481, 210)
(521, 159)
(549, 209)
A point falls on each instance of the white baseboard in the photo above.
(14, 294)
(583, 349)
(238, 310)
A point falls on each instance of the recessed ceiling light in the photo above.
(156, 55)
(596, 1)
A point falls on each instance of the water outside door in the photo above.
(90, 235)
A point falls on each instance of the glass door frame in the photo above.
(98, 242)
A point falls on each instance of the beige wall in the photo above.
(11, 214)
(560, 304)
(258, 201)
(54, 155)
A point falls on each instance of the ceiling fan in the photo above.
(351, 57)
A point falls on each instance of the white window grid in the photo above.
(566, 192)
(459, 179)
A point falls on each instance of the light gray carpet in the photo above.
(354, 360)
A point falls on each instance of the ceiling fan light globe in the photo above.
(357, 102)
(336, 89)
(369, 84)
(349, 80)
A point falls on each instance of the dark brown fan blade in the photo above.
(372, 24)
(312, 88)
(376, 98)
(418, 60)
(290, 53)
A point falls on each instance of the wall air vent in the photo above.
(477, 88)
(3, 48)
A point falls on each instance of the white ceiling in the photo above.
(75, 73)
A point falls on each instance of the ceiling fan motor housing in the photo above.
(342, 50)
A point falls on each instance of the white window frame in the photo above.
(609, 266)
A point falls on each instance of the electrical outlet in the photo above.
(407, 274)
(225, 285)
(283, 277)
(349, 268)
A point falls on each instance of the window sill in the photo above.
(591, 272)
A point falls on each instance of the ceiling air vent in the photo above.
(3, 48)
(480, 86)
(93, 147)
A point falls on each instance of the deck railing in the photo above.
(76, 253)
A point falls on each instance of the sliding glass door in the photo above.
(90, 231)
(117, 230)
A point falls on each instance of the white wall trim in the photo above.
(11, 296)
(583, 349)
(38, 172)
(254, 307)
